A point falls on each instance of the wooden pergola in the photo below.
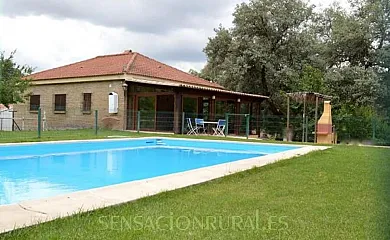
(306, 97)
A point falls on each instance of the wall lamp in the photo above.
(124, 86)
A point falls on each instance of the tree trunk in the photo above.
(272, 105)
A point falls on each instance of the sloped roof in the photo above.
(128, 62)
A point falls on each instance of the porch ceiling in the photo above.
(180, 85)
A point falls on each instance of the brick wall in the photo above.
(74, 117)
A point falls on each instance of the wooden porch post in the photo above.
(237, 118)
(212, 109)
(178, 98)
(125, 108)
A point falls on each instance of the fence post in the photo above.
(138, 121)
(182, 122)
(373, 128)
(304, 120)
(39, 122)
(96, 122)
(227, 124)
(307, 128)
(247, 125)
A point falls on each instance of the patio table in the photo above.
(210, 122)
(209, 128)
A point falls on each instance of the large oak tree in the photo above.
(277, 46)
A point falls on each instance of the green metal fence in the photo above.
(73, 124)
(35, 125)
(246, 125)
(374, 130)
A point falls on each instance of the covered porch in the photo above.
(163, 106)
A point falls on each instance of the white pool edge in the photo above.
(32, 212)
(227, 139)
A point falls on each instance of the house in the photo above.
(120, 85)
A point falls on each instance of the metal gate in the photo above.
(6, 120)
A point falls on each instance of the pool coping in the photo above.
(33, 212)
(228, 139)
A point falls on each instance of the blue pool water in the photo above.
(33, 171)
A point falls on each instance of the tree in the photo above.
(348, 51)
(217, 51)
(13, 82)
(384, 73)
(269, 44)
(312, 80)
(376, 15)
(278, 46)
(345, 38)
(352, 87)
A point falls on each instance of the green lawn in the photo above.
(340, 193)
(83, 134)
(79, 134)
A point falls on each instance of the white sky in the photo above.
(46, 35)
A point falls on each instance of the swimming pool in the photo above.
(40, 170)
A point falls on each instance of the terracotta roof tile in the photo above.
(98, 66)
(127, 62)
(148, 67)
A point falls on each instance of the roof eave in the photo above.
(178, 83)
(181, 85)
(224, 91)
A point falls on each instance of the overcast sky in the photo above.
(51, 33)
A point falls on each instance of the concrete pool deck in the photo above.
(33, 212)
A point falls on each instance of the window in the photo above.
(87, 102)
(35, 101)
(60, 102)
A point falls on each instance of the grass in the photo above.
(340, 193)
(79, 134)
(85, 134)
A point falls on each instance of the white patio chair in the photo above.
(190, 128)
(220, 129)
